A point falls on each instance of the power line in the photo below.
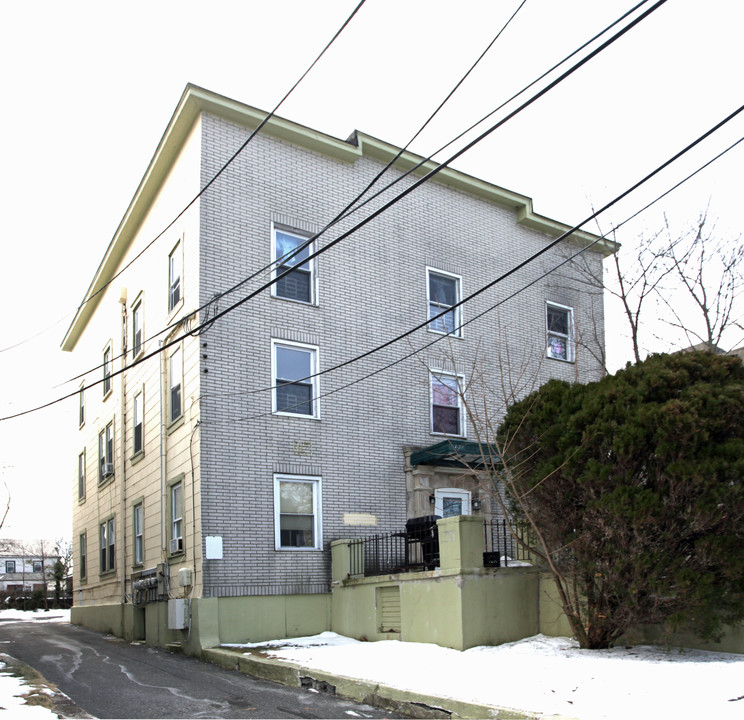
(209, 183)
(387, 205)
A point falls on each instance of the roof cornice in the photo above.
(196, 100)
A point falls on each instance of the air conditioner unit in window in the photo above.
(176, 545)
(108, 469)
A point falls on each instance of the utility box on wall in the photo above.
(177, 614)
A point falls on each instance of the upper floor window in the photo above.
(10, 566)
(38, 566)
(443, 290)
(107, 370)
(137, 336)
(137, 421)
(446, 404)
(297, 512)
(295, 388)
(174, 276)
(175, 379)
(81, 407)
(299, 281)
(106, 452)
(81, 475)
(559, 324)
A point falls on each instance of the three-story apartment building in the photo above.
(222, 448)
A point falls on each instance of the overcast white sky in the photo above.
(89, 88)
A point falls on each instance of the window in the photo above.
(443, 292)
(10, 566)
(83, 555)
(297, 512)
(137, 337)
(81, 475)
(175, 377)
(298, 284)
(446, 404)
(137, 441)
(559, 322)
(108, 546)
(295, 391)
(106, 452)
(138, 521)
(81, 412)
(107, 369)
(37, 566)
(176, 524)
(174, 277)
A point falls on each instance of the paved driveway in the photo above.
(110, 678)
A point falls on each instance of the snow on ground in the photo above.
(540, 674)
(12, 688)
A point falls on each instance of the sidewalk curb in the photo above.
(405, 702)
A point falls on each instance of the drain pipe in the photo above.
(122, 530)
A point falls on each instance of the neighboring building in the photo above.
(216, 473)
(24, 571)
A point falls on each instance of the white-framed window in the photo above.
(81, 406)
(175, 380)
(442, 292)
(81, 475)
(107, 370)
(138, 521)
(176, 517)
(297, 512)
(10, 566)
(299, 282)
(175, 267)
(83, 555)
(447, 417)
(138, 425)
(559, 328)
(451, 501)
(106, 452)
(38, 566)
(138, 341)
(106, 534)
(296, 388)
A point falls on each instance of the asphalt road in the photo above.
(110, 678)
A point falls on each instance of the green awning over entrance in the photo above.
(455, 453)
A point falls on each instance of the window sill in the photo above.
(298, 549)
(448, 435)
(138, 566)
(83, 581)
(180, 420)
(569, 361)
(177, 557)
(81, 500)
(108, 394)
(172, 312)
(138, 354)
(107, 575)
(295, 301)
(106, 481)
(456, 336)
(137, 457)
(278, 413)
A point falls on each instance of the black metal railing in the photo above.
(416, 548)
(501, 547)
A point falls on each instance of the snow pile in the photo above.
(540, 674)
(12, 688)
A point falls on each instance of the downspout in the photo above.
(163, 433)
(123, 445)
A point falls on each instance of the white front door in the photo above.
(451, 501)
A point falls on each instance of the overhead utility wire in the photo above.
(394, 200)
(377, 212)
(521, 289)
(345, 212)
(214, 177)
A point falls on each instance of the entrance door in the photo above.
(451, 501)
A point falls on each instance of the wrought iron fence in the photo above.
(417, 548)
(502, 549)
